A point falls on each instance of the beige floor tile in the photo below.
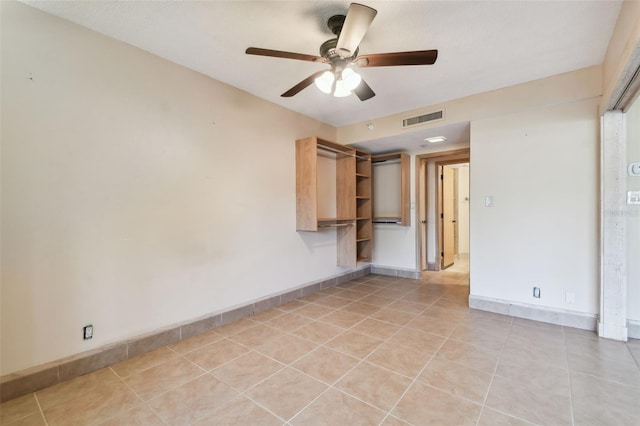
(476, 357)
(491, 417)
(67, 392)
(288, 322)
(424, 405)
(407, 306)
(401, 359)
(193, 400)
(337, 408)
(437, 312)
(548, 377)
(360, 308)
(417, 339)
(621, 368)
(236, 327)
(376, 328)
(312, 298)
(457, 380)
(600, 402)
(287, 348)
(318, 332)
(143, 362)
(18, 408)
(355, 344)
(216, 354)
(163, 378)
(441, 327)
(425, 300)
(286, 392)
(325, 364)
(363, 287)
(529, 401)
(313, 311)
(374, 300)
(375, 385)
(350, 295)
(537, 355)
(480, 337)
(393, 421)
(332, 302)
(393, 316)
(195, 342)
(34, 419)
(393, 293)
(256, 336)
(92, 406)
(635, 352)
(292, 306)
(342, 319)
(141, 415)
(247, 370)
(455, 304)
(267, 315)
(239, 412)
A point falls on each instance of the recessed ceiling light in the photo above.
(436, 139)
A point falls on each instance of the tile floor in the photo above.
(378, 351)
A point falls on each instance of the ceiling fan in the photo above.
(341, 53)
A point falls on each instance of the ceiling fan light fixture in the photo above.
(341, 90)
(351, 79)
(325, 82)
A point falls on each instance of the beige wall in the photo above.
(541, 168)
(136, 194)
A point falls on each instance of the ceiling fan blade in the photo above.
(356, 24)
(363, 91)
(302, 85)
(281, 54)
(418, 57)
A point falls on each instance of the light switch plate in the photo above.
(633, 197)
(488, 201)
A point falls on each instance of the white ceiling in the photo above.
(483, 45)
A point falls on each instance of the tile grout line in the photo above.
(323, 345)
(390, 412)
(493, 375)
(44, 418)
(566, 347)
(360, 362)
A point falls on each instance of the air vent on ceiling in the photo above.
(424, 118)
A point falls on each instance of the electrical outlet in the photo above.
(570, 298)
(87, 332)
(536, 292)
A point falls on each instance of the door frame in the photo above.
(423, 179)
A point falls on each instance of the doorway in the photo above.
(430, 233)
(453, 216)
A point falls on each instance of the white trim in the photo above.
(562, 317)
(633, 329)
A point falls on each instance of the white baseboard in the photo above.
(537, 313)
(633, 329)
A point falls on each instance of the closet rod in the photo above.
(335, 225)
(377, 163)
(326, 148)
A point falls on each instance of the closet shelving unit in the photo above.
(333, 190)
